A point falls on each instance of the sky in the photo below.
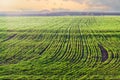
(60, 5)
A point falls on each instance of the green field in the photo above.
(60, 48)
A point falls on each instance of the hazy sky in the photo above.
(60, 5)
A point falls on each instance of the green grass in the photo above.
(60, 48)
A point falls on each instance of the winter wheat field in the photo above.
(60, 48)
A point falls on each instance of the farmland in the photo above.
(65, 48)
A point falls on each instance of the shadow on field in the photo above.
(10, 37)
(104, 53)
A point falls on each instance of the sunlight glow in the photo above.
(5, 2)
(51, 5)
